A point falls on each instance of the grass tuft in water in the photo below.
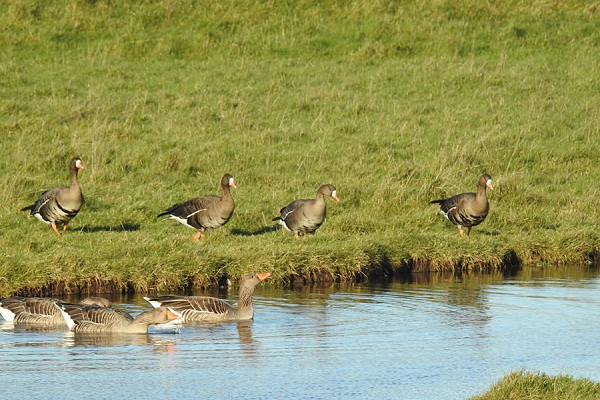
(534, 386)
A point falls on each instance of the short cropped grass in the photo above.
(395, 103)
(535, 386)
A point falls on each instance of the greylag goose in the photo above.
(206, 212)
(39, 311)
(94, 319)
(211, 309)
(59, 205)
(307, 215)
(467, 209)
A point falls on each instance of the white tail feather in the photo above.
(7, 314)
(67, 317)
(155, 303)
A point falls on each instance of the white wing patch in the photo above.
(283, 216)
(39, 216)
(196, 212)
(67, 317)
(153, 303)
(7, 314)
(182, 221)
(282, 223)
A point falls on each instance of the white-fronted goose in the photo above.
(211, 309)
(206, 212)
(307, 215)
(94, 319)
(59, 205)
(467, 209)
(39, 311)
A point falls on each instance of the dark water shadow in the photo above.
(260, 231)
(124, 227)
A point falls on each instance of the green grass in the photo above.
(395, 103)
(532, 386)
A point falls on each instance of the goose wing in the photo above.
(191, 305)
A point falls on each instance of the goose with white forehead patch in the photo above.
(206, 212)
(58, 206)
(306, 215)
(467, 209)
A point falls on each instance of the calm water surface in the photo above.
(420, 337)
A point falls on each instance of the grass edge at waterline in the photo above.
(394, 103)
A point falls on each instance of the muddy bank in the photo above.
(416, 269)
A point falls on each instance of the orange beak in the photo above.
(262, 277)
(172, 314)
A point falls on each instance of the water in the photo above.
(421, 337)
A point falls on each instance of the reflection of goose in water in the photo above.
(159, 341)
(247, 342)
(244, 329)
(43, 312)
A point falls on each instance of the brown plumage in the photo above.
(39, 311)
(94, 319)
(467, 209)
(206, 212)
(211, 309)
(306, 215)
(58, 206)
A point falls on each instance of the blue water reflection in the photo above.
(418, 337)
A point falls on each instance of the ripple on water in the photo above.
(446, 339)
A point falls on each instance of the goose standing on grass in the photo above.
(94, 319)
(467, 209)
(206, 212)
(307, 215)
(211, 309)
(59, 205)
(40, 311)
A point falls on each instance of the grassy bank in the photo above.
(395, 103)
(530, 386)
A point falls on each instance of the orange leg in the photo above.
(64, 227)
(462, 233)
(198, 235)
(296, 236)
(56, 229)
